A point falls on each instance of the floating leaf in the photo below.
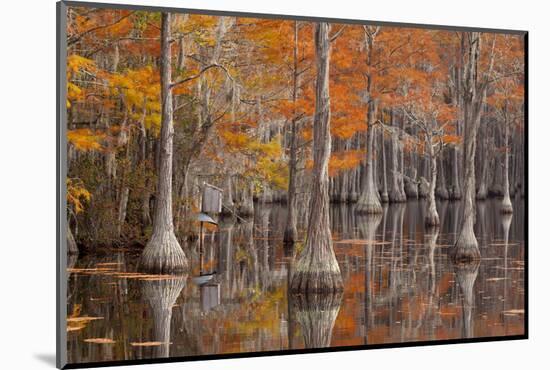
(496, 279)
(148, 344)
(361, 242)
(516, 311)
(83, 319)
(99, 340)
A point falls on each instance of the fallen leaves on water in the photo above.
(90, 270)
(100, 299)
(75, 328)
(148, 344)
(137, 275)
(109, 271)
(516, 311)
(99, 340)
(83, 319)
(361, 242)
(496, 279)
(76, 322)
(79, 323)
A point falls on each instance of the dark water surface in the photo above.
(400, 286)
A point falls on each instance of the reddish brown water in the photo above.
(399, 286)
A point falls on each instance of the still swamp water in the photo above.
(400, 286)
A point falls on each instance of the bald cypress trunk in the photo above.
(384, 198)
(316, 269)
(455, 190)
(228, 203)
(455, 193)
(163, 252)
(441, 189)
(506, 206)
(72, 248)
(482, 188)
(432, 217)
(369, 202)
(246, 203)
(397, 193)
(291, 232)
(466, 248)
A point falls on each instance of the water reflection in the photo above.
(316, 314)
(466, 274)
(161, 296)
(399, 286)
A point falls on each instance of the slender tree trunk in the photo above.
(291, 233)
(441, 190)
(432, 217)
(496, 187)
(163, 252)
(145, 193)
(124, 140)
(397, 194)
(316, 269)
(455, 192)
(401, 170)
(369, 201)
(506, 206)
(122, 207)
(384, 195)
(246, 204)
(72, 248)
(482, 188)
(228, 191)
(411, 187)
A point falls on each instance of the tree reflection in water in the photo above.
(161, 294)
(316, 314)
(466, 274)
(399, 286)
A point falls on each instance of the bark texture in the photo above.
(466, 248)
(506, 206)
(369, 202)
(432, 217)
(316, 269)
(72, 248)
(163, 252)
(291, 233)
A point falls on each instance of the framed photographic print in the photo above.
(234, 184)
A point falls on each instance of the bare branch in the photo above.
(195, 76)
(78, 37)
(338, 33)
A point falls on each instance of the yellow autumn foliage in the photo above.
(77, 194)
(85, 139)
